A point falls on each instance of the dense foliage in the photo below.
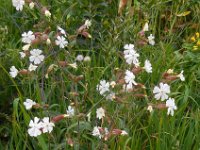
(99, 74)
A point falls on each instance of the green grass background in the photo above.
(110, 32)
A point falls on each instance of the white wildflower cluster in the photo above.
(161, 93)
(104, 133)
(104, 89)
(130, 55)
(35, 55)
(39, 126)
(18, 4)
(61, 39)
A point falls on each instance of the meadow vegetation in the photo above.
(99, 74)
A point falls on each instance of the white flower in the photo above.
(32, 67)
(79, 58)
(131, 55)
(61, 41)
(147, 66)
(36, 56)
(70, 111)
(62, 31)
(124, 133)
(146, 27)
(150, 108)
(129, 79)
(112, 84)
(151, 39)
(35, 127)
(110, 96)
(100, 113)
(74, 65)
(129, 47)
(47, 13)
(88, 23)
(171, 106)
(28, 37)
(18, 4)
(96, 132)
(29, 104)
(46, 125)
(87, 59)
(181, 76)
(103, 87)
(161, 93)
(22, 54)
(170, 71)
(26, 47)
(31, 5)
(13, 72)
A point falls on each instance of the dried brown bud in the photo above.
(136, 70)
(59, 117)
(74, 94)
(122, 4)
(24, 72)
(86, 34)
(160, 106)
(140, 95)
(70, 142)
(62, 63)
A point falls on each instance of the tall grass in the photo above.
(110, 32)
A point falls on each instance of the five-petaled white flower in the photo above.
(129, 79)
(36, 56)
(18, 4)
(103, 87)
(161, 93)
(70, 111)
(124, 133)
(96, 132)
(151, 39)
(47, 126)
(28, 37)
(32, 67)
(61, 30)
(130, 55)
(181, 76)
(147, 66)
(110, 96)
(100, 113)
(171, 106)
(35, 127)
(79, 58)
(150, 108)
(13, 72)
(22, 54)
(61, 41)
(29, 104)
(88, 23)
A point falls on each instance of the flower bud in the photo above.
(31, 5)
(59, 117)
